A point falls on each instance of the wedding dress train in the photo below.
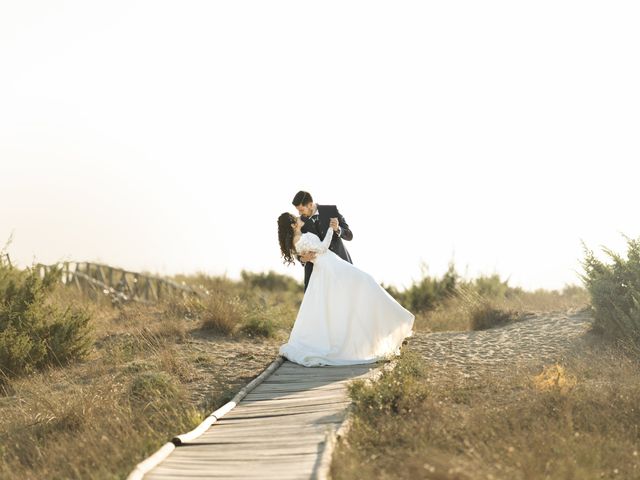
(345, 317)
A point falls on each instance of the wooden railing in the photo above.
(121, 285)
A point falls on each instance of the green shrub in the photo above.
(271, 281)
(428, 292)
(35, 333)
(397, 391)
(261, 321)
(491, 287)
(151, 386)
(615, 292)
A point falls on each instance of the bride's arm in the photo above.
(312, 244)
(307, 246)
(327, 239)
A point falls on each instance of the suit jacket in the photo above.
(320, 228)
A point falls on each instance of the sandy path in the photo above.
(538, 339)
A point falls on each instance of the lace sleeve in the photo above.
(327, 239)
(309, 243)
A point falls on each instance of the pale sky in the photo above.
(169, 136)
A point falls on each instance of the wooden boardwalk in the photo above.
(282, 429)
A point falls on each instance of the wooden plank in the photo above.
(300, 418)
(337, 378)
(286, 428)
(299, 399)
(261, 401)
(298, 387)
(252, 434)
(308, 393)
(297, 414)
(277, 406)
(291, 396)
(230, 450)
(209, 464)
(286, 462)
(246, 451)
(302, 382)
(240, 474)
(283, 463)
(249, 471)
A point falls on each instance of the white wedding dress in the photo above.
(345, 318)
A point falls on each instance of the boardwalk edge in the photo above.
(156, 458)
(323, 470)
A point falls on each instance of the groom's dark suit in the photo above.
(320, 226)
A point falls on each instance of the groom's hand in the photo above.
(307, 257)
(334, 224)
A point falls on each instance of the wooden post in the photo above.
(146, 288)
(99, 274)
(135, 284)
(123, 282)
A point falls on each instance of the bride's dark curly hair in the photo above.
(285, 236)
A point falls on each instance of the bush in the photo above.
(485, 315)
(261, 321)
(397, 391)
(271, 281)
(221, 314)
(428, 292)
(150, 386)
(491, 287)
(33, 332)
(615, 292)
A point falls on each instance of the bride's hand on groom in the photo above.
(307, 257)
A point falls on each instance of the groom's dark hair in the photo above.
(302, 198)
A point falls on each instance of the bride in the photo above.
(345, 317)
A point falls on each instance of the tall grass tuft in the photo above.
(615, 292)
(485, 315)
(396, 392)
(221, 314)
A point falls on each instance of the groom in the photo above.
(318, 219)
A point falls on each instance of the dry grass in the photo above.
(242, 308)
(154, 371)
(486, 316)
(578, 420)
(94, 420)
(468, 310)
